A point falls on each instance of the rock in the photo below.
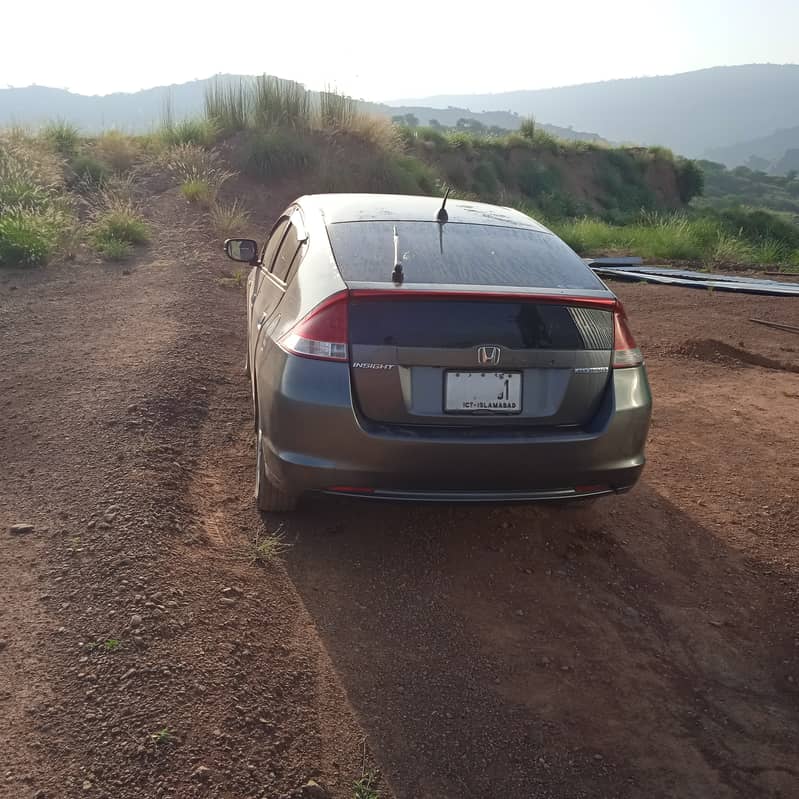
(313, 790)
(202, 773)
(136, 620)
(128, 674)
(87, 786)
(3, 644)
(520, 612)
(21, 528)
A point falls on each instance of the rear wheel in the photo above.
(268, 496)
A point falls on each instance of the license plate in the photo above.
(483, 392)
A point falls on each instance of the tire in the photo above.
(268, 496)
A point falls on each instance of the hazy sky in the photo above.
(383, 51)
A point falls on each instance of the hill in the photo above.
(691, 112)
(767, 153)
(138, 112)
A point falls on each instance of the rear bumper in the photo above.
(315, 441)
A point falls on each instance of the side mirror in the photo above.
(242, 250)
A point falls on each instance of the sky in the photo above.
(385, 51)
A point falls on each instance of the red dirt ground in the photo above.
(643, 647)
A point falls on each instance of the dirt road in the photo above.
(646, 647)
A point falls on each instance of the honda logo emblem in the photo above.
(488, 356)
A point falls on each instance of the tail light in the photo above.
(322, 333)
(625, 351)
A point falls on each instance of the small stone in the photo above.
(3, 644)
(228, 600)
(103, 526)
(21, 528)
(128, 674)
(87, 786)
(313, 790)
(136, 620)
(202, 773)
(520, 612)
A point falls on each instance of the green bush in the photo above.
(29, 237)
(87, 169)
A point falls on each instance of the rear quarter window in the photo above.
(458, 253)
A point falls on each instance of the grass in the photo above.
(198, 191)
(269, 547)
(709, 239)
(366, 787)
(199, 171)
(62, 136)
(30, 237)
(270, 154)
(117, 228)
(229, 219)
(161, 737)
(200, 132)
(112, 644)
(117, 151)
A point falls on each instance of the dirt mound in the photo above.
(727, 355)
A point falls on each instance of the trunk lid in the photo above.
(457, 359)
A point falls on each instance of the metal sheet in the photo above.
(699, 280)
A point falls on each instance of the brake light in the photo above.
(322, 333)
(625, 351)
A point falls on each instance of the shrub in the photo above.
(62, 136)
(87, 169)
(690, 179)
(118, 151)
(30, 175)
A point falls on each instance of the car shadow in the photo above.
(621, 649)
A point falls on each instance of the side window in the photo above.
(288, 249)
(274, 242)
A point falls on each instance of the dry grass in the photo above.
(201, 172)
(229, 219)
(118, 151)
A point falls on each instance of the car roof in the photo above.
(337, 208)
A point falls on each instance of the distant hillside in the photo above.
(140, 111)
(691, 112)
(767, 153)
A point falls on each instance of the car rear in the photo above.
(500, 368)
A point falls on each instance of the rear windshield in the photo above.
(468, 254)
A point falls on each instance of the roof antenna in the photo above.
(442, 215)
(396, 275)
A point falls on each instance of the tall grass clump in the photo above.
(35, 216)
(278, 103)
(118, 151)
(336, 111)
(199, 171)
(276, 153)
(117, 226)
(62, 136)
(229, 219)
(202, 132)
(228, 105)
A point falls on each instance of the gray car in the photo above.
(409, 348)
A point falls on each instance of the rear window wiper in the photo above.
(396, 274)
